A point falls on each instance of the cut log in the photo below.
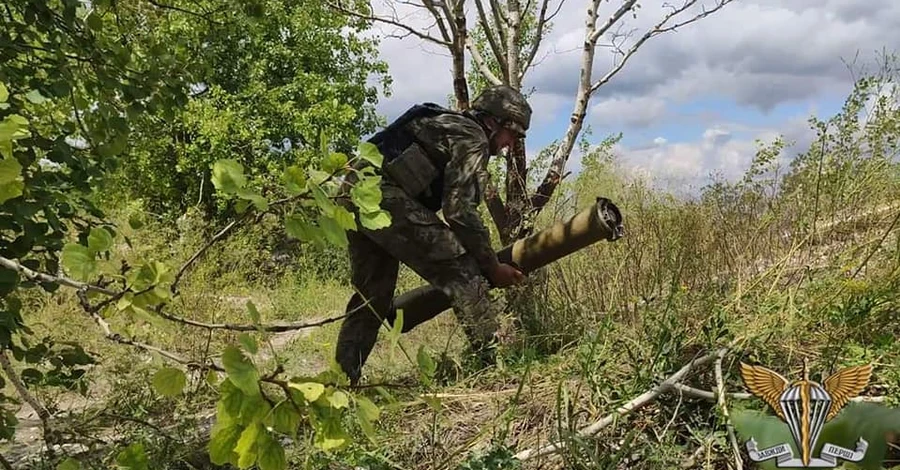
(601, 221)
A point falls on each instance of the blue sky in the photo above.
(689, 103)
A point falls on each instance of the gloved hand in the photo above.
(505, 275)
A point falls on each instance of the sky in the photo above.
(689, 103)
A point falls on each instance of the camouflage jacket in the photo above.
(461, 144)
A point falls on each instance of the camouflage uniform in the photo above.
(454, 256)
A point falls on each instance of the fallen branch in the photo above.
(632, 405)
(720, 388)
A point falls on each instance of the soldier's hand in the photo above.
(505, 275)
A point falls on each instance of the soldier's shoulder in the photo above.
(457, 126)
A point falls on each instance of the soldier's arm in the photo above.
(464, 182)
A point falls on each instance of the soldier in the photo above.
(435, 160)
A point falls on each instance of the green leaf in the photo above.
(871, 421)
(228, 176)
(369, 152)
(344, 218)
(248, 342)
(79, 260)
(375, 220)
(95, 22)
(169, 381)
(322, 200)
(317, 177)
(294, 180)
(223, 438)
(99, 240)
(366, 194)
(133, 457)
(241, 370)
(115, 146)
(254, 313)
(11, 190)
(4, 93)
(366, 414)
(258, 201)
(368, 410)
(271, 453)
(334, 233)
(286, 418)
(13, 127)
(333, 161)
(433, 402)
(69, 464)
(247, 446)
(35, 97)
(10, 170)
(339, 400)
(231, 401)
(311, 390)
(427, 366)
(134, 221)
(298, 227)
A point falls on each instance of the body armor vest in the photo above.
(406, 161)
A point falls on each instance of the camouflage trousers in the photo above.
(422, 241)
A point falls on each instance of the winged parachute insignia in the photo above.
(806, 406)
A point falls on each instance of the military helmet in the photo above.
(507, 105)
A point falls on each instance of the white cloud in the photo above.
(660, 141)
(692, 164)
(618, 112)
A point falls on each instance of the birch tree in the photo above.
(502, 48)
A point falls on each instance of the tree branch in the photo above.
(655, 31)
(60, 280)
(542, 20)
(493, 42)
(182, 10)
(409, 29)
(481, 64)
(222, 233)
(720, 393)
(272, 327)
(429, 4)
(613, 19)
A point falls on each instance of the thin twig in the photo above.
(182, 10)
(398, 24)
(187, 264)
